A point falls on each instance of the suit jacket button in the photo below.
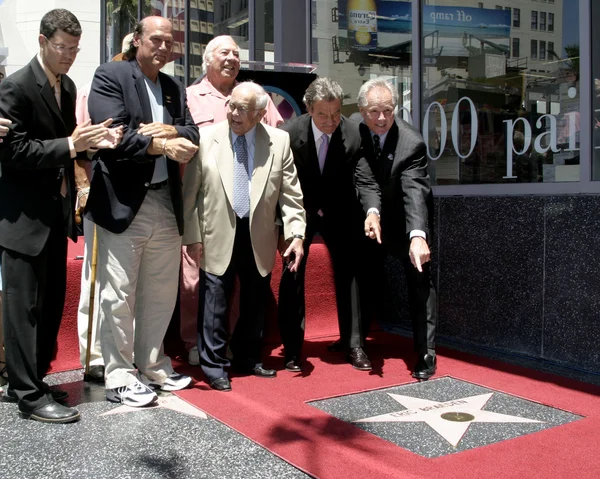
(146, 184)
(55, 198)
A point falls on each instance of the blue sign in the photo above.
(447, 31)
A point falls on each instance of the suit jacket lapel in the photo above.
(140, 86)
(168, 96)
(308, 156)
(389, 153)
(67, 107)
(263, 161)
(223, 152)
(46, 90)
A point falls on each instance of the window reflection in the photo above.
(501, 96)
(596, 91)
(121, 17)
(356, 40)
(174, 10)
(209, 18)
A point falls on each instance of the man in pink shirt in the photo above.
(208, 102)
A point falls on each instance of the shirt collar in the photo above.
(207, 88)
(316, 132)
(250, 137)
(52, 78)
(381, 137)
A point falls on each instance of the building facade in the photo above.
(505, 94)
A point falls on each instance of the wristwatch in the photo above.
(298, 237)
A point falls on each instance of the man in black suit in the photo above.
(136, 202)
(326, 149)
(397, 156)
(37, 204)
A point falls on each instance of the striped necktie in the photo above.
(241, 191)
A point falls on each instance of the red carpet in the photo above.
(320, 305)
(274, 413)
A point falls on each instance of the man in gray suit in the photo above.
(397, 156)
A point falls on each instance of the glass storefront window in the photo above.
(596, 91)
(356, 40)
(174, 10)
(121, 17)
(490, 116)
(209, 18)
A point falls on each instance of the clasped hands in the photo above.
(92, 137)
(165, 141)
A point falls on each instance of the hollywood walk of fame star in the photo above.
(449, 419)
(167, 402)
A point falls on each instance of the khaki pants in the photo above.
(138, 273)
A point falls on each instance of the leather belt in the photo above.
(158, 186)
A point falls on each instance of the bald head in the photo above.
(152, 42)
(247, 107)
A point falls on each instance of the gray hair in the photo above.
(321, 89)
(376, 83)
(262, 97)
(211, 47)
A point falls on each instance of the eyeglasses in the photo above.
(64, 49)
(242, 110)
(376, 113)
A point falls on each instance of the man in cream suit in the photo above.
(243, 170)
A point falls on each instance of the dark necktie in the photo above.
(376, 146)
(241, 194)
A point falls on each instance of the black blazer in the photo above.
(32, 156)
(121, 176)
(333, 191)
(401, 171)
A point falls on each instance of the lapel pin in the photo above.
(391, 156)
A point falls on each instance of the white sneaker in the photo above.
(193, 356)
(174, 382)
(136, 394)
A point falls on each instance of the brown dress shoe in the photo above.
(358, 359)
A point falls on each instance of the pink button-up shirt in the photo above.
(208, 106)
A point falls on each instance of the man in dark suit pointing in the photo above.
(396, 154)
(37, 204)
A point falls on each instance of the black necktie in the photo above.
(376, 146)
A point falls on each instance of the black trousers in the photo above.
(376, 292)
(340, 242)
(34, 297)
(247, 338)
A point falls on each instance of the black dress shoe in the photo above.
(52, 413)
(293, 365)
(221, 384)
(425, 367)
(358, 359)
(264, 373)
(335, 347)
(95, 374)
(57, 395)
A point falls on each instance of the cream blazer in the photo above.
(208, 197)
